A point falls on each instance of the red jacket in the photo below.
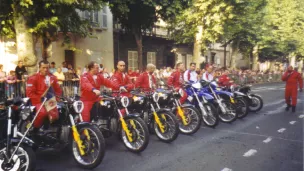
(224, 80)
(143, 81)
(176, 79)
(36, 86)
(292, 79)
(87, 85)
(122, 79)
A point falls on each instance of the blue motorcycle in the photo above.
(223, 101)
(203, 102)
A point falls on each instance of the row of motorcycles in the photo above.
(132, 118)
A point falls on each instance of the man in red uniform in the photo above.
(122, 79)
(292, 79)
(146, 80)
(90, 84)
(177, 80)
(36, 87)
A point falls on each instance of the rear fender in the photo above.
(255, 95)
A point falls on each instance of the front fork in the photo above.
(76, 136)
(125, 126)
(200, 104)
(181, 113)
(157, 120)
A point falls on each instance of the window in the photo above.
(104, 18)
(133, 60)
(151, 58)
(189, 60)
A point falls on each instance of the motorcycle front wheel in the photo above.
(170, 124)
(242, 107)
(211, 118)
(139, 133)
(230, 115)
(23, 160)
(193, 118)
(94, 147)
(255, 103)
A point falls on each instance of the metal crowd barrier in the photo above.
(72, 88)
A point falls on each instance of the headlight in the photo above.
(25, 113)
(181, 92)
(163, 96)
(78, 106)
(125, 101)
(140, 100)
(155, 97)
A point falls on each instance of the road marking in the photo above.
(292, 122)
(301, 116)
(257, 127)
(250, 134)
(281, 130)
(227, 169)
(249, 153)
(267, 140)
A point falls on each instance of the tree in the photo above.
(25, 20)
(137, 16)
(202, 23)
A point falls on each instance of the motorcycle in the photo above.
(241, 103)
(84, 139)
(111, 115)
(16, 151)
(255, 101)
(199, 99)
(223, 101)
(188, 116)
(161, 120)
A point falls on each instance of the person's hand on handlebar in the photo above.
(123, 89)
(97, 92)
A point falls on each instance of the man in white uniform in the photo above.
(190, 74)
(207, 76)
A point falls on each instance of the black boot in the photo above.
(35, 136)
(287, 107)
(293, 109)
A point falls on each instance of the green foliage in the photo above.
(46, 17)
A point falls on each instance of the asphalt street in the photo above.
(270, 140)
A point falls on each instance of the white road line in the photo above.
(267, 140)
(226, 169)
(257, 127)
(292, 122)
(249, 153)
(301, 116)
(281, 130)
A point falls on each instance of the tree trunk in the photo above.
(138, 38)
(292, 59)
(46, 47)
(25, 43)
(234, 54)
(225, 55)
(197, 47)
(255, 57)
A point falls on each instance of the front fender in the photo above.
(163, 110)
(83, 124)
(132, 115)
(187, 105)
(255, 95)
(224, 93)
(239, 94)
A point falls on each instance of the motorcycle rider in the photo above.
(208, 76)
(146, 80)
(177, 80)
(90, 84)
(37, 86)
(121, 78)
(190, 74)
(292, 79)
